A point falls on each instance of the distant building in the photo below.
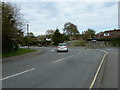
(48, 37)
(109, 34)
(41, 38)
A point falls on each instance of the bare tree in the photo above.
(50, 32)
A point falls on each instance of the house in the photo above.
(48, 37)
(109, 34)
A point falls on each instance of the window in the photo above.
(106, 34)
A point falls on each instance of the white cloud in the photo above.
(62, 0)
(96, 15)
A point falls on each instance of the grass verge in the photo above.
(20, 51)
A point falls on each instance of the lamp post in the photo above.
(51, 39)
(28, 34)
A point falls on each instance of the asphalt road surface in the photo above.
(73, 69)
(110, 76)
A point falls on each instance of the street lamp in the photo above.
(51, 39)
(28, 34)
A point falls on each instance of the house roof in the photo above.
(117, 30)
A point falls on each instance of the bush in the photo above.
(78, 43)
(112, 41)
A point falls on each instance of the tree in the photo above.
(41, 39)
(50, 32)
(88, 34)
(31, 35)
(30, 40)
(12, 26)
(57, 37)
(70, 29)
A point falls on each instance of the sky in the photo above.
(43, 16)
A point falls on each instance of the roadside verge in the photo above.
(20, 57)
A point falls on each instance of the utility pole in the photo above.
(28, 34)
(51, 39)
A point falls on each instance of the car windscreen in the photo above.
(62, 45)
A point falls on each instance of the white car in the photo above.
(62, 47)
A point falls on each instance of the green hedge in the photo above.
(111, 41)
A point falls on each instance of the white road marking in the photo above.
(52, 50)
(108, 49)
(101, 50)
(17, 74)
(62, 59)
(94, 79)
(61, 53)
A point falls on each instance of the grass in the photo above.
(20, 51)
(0, 56)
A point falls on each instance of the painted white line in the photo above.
(108, 49)
(94, 79)
(52, 50)
(61, 53)
(101, 50)
(62, 59)
(18, 74)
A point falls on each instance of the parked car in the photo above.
(62, 47)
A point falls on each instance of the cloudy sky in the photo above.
(43, 16)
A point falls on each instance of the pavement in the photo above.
(75, 69)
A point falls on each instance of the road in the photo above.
(73, 69)
(110, 76)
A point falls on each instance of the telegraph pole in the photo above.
(51, 39)
(28, 34)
